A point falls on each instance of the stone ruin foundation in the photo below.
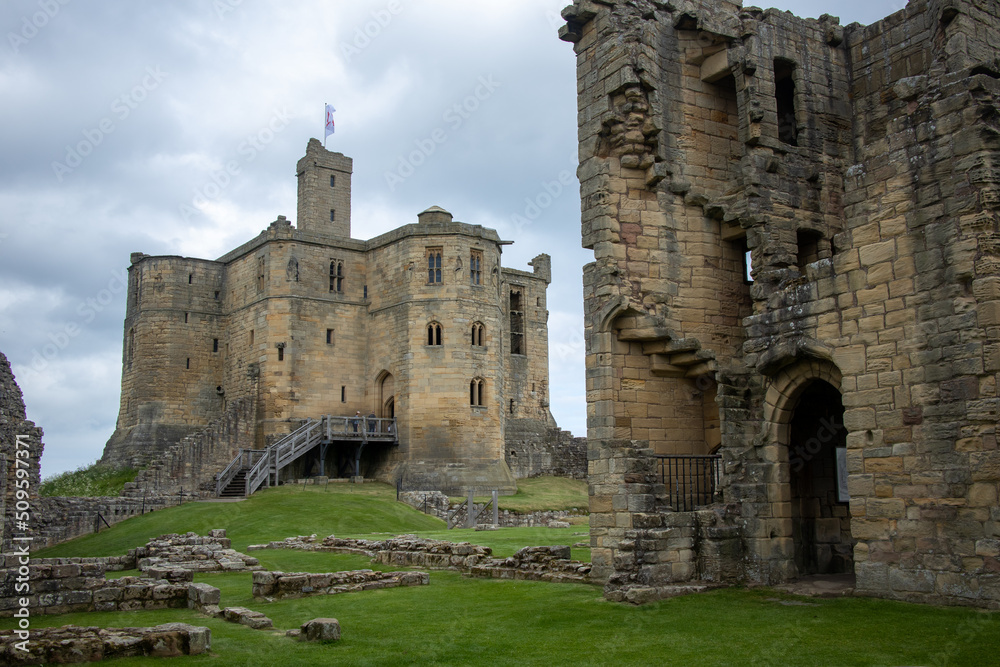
(75, 644)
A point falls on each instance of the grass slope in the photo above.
(541, 493)
(460, 621)
(89, 481)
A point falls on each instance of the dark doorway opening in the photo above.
(821, 519)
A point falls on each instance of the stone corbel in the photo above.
(786, 352)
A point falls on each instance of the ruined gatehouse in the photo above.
(793, 313)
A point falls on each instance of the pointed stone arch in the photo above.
(803, 427)
(385, 394)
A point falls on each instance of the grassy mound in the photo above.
(92, 480)
(345, 510)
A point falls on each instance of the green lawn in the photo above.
(542, 493)
(460, 621)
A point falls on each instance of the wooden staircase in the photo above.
(237, 487)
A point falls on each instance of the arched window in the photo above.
(477, 392)
(476, 267)
(336, 275)
(434, 334)
(434, 266)
(478, 334)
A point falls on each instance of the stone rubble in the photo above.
(212, 553)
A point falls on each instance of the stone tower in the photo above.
(794, 300)
(324, 198)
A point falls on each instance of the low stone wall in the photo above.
(433, 503)
(332, 544)
(418, 552)
(550, 519)
(548, 563)
(403, 550)
(76, 644)
(56, 519)
(82, 587)
(110, 563)
(281, 585)
(437, 504)
(211, 553)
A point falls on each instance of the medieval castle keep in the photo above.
(849, 390)
(421, 324)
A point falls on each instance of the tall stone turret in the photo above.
(324, 191)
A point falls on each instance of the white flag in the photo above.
(329, 120)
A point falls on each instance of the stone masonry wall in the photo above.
(535, 448)
(189, 466)
(19, 472)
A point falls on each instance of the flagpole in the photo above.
(325, 135)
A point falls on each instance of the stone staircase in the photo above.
(670, 356)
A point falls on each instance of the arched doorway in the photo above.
(386, 387)
(820, 512)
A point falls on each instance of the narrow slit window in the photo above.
(784, 95)
(215, 345)
(333, 215)
(261, 265)
(187, 363)
(190, 278)
(343, 394)
(333, 181)
(329, 336)
(185, 318)
(281, 354)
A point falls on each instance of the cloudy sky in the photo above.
(120, 117)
